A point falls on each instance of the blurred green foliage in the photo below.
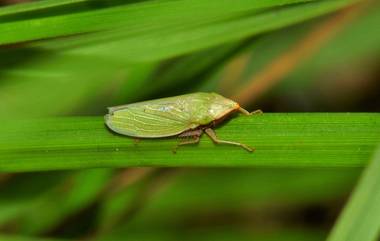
(76, 57)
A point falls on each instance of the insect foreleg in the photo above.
(211, 133)
(245, 112)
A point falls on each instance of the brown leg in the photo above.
(211, 133)
(136, 141)
(197, 132)
(245, 112)
(194, 135)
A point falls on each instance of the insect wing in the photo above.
(150, 119)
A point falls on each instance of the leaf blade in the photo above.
(291, 140)
(360, 219)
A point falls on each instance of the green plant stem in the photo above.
(281, 140)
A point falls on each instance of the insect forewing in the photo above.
(150, 119)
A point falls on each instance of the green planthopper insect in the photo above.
(186, 116)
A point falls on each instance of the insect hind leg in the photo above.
(211, 133)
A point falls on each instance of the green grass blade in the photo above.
(4, 237)
(360, 220)
(146, 15)
(140, 43)
(281, 140)
(181, 26)
(34, 6)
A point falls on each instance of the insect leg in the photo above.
(245, 112)
(136, 141)
(194, 134)
(197, 132)
(211, 133)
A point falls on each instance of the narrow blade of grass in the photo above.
(360, 220)
(143, 15)
(4, 237)
(35, 5)
(288, 140)
(140, 43)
